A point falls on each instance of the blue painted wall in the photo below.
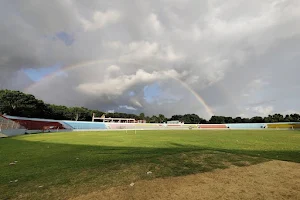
(246, 126)
(85, 125)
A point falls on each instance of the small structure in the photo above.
(175, 122)
(113, 120)
(141, 121)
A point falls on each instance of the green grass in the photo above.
(71, 164)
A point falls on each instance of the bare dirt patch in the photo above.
(269, 180)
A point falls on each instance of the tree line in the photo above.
(17, 103)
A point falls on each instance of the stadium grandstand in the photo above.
(13, 125)
(175, 122)
(116, 120)
(33, 125)
(37, 125)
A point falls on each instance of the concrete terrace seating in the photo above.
(120, 126)
(35, 125)
(284, 125)
(8, 124)
(247, 126)
(39, 125)
(10, 128)
(85, 125)
(212, 126)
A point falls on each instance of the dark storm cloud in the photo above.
(233, 54)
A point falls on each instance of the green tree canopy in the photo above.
(20, 104)
(17, 103)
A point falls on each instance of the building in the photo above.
(116, 120)
(175, 122)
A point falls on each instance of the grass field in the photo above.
(66, 165)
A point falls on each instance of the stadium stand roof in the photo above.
(33, 119)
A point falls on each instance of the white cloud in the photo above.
(113, 68)
(240, 26)
(257, 84)
(243, 115)
(155, 24)
(135, 102)
(151, 50)
(112, 71)
(117, 86)
(263, 110)
(127, 107)
(192, 79)
(230, 53)
(113, 44)
(288, 112)
(101, 19)
(170, 55)
(143, 49)
(254, 87)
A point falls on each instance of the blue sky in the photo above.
(131, 93)
(152, 92)
(65, 37)
(39, 73)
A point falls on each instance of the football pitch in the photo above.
(74, 164)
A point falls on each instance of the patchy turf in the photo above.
(67, 165)
(270, 180)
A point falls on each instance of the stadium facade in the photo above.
(13, 125)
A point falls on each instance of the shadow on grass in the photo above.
(59, 166)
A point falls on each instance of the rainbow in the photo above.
(198, 97)
(93, 62)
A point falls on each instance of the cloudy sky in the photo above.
(239, 57)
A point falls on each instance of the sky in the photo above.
(237, 57)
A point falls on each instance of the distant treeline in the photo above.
(17, 103)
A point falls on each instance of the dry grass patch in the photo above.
(270, 180)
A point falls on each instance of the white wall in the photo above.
(51, 131)
(13, 132)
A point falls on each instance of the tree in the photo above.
(202, 121)
(154, 119)
(268, 119)
(142, 116)
(162, 118)
(96, 112)
(295, 117)
(176, 117)
(59, 112)
(26, 105)
(147, 118)
(217, 120)
(237, 120)
(246, 120)
(191, 119)
(278, 118)
(257, 119)
(229, 120)
(20, 104)
(79, 114)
